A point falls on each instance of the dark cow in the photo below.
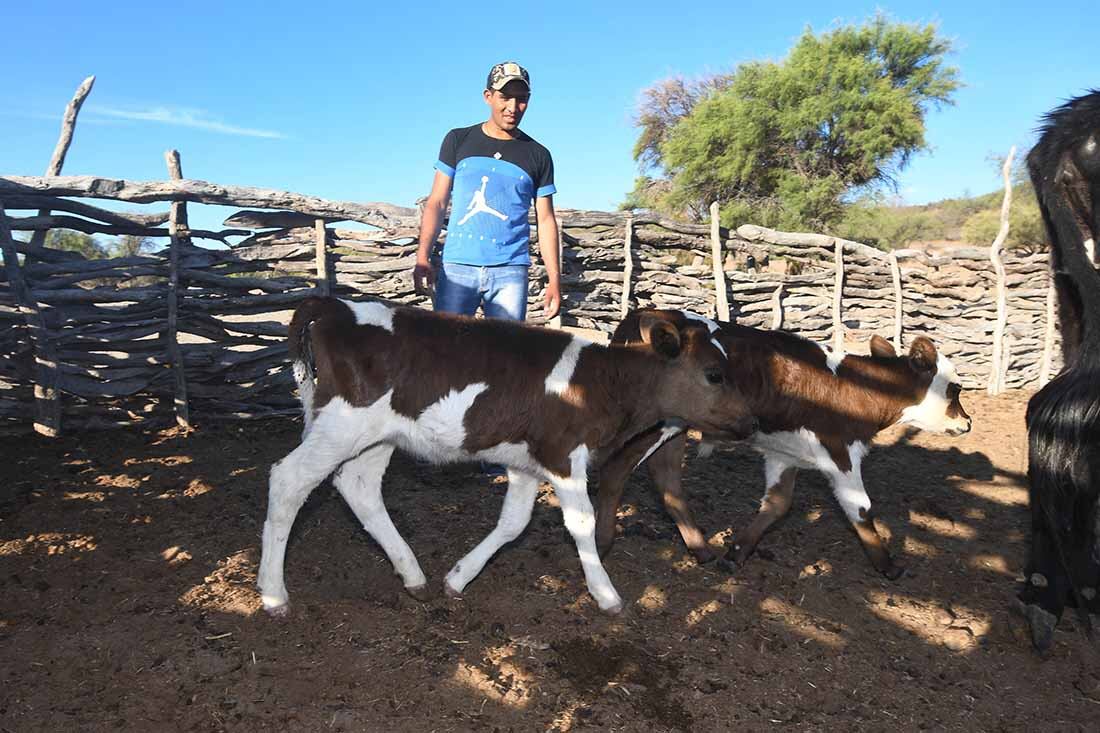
(448, 388)
(1063, 418)
(816, 410)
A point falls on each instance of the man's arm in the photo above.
(548, 247)
(431, 222)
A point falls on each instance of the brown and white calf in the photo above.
(448, 388)
(815, 411)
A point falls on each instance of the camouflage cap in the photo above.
(503, 73)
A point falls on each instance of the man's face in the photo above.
(508, 104)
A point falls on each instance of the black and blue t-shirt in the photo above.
(494, 184)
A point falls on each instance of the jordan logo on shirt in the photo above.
(479, 206)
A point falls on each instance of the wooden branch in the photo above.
(272, 220)
(895, 275)
(838, 294)
(57, 160)
(53, 203)
(1049, 328)
(555, 322)
(47, 398)
(776, 303)
(996, 383)
(320, 234)
(722, 305)
(628, 265)
(45, 223)
(176, 223)
(381, 215)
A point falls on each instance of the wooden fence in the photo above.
(199, 330)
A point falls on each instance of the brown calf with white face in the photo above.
(449, 388)
(815, 411)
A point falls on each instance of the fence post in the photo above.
(838, 289)
(628, 263)
(178, 237)
(996, 382)
(47, 397)
(777, 306)
(721, 303)
(895, 273)
(555, 322)
(1048, 336)
(320, 241)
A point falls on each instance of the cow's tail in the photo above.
(301, 348)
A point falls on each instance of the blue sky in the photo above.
(350, 101)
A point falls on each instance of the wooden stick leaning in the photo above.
(996, 382)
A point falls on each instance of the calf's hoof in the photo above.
(893, 571)
(615, 609)
(703, 555)
(419, 592)
(451, 592)
(278, 611)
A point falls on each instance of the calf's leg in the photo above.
(849, 491)
(576, 509)
(779, 479)
(613, 476)
(514, 517)
(328, 444)
(666, 467)
(359, 481)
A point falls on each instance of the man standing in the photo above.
(493, 170)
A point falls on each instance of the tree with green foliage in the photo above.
(784, 143)
(73, 241)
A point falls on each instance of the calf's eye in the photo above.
(715, 376)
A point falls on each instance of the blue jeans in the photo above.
(500, 290)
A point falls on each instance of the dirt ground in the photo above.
(128, 601)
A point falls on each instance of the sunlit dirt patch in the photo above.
(230, 588)
(953, 626)
(500, 675)
(50, 544)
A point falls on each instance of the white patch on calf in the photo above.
(803, 449)
(557, 381)
(305, 392)
(371, 314)
(1090, 250)
(931, 412)
(667, 433)
(831, 360)
(712, 326)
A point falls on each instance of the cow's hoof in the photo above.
(278, 611)
(450, 592)
(419, 592)
(614, 609)
(727, 564)
(704, 555)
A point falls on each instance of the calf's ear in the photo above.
(882, 348)
(661, 335)
(922, 355)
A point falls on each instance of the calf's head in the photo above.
(693, 384)
(934, 388)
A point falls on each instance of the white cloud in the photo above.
(183, 117)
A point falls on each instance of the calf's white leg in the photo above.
(514, 516)
(359, 481)
(580, 520)
(292, 479)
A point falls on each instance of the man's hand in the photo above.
(423, 278)
(551, 300)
